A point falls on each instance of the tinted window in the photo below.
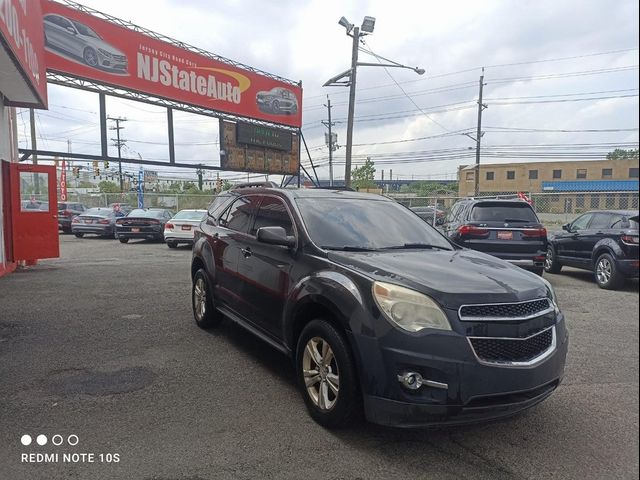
(503, 212)
(238, 216)
(272, 213)
(581, 223)
(600, 220)
(98, 212)
(84, 30)
(364, 223)
(217, 206)
(139, 212)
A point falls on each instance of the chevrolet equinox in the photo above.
(376, 308)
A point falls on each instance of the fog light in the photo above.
(413, 381)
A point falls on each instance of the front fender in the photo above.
(336, 292)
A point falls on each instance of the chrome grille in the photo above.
(506, 311)
(514, 351)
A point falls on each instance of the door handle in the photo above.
(246, 252)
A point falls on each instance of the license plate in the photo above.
(135, 230)
(88, 221)
(186, 227)
(508, 235)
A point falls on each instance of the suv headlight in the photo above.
(410, 310)
(551, 295)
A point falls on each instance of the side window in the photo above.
(619, 221)
(600, 221)
(239, 214)
(272, 213)
(452, 214)
(217, 205)
(581, 223)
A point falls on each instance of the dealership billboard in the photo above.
(22, 52)
(88, 46)
(247, 147)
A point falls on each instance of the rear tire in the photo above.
(551, 263)
(123, 240)
(326, 374)
(172, 244)
(204, 311)
(79, 235)
(606, 273)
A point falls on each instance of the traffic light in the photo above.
(76, 172)
(106, 164)
(219, 185)
(96, 168)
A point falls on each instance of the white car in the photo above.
(181, 227)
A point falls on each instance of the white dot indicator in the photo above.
(42, 440)
(25, 440)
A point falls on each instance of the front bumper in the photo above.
(473, 392)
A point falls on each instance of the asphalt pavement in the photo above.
(99, 347)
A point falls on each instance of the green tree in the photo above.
(85, 184)
(622, 154)
(190, 187)
(362, 177)
(106, 186)
(226, 185)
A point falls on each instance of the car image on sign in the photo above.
(278, 101)
(70, 36)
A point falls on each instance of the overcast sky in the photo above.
(301, 40)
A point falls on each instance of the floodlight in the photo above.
(345, 23)
(419, 71)
(367, 24)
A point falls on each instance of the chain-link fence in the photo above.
(553, 209)
(174, 202)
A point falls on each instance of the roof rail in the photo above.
(348, 189)
(256, 185)
(511, 196)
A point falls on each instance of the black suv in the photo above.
(507, 229)
(377, 309)
(67, 211)
(603, 241)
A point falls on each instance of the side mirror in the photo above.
(71, 30)
(566, 227)
(275, 236)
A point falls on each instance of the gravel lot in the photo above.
(101, 344)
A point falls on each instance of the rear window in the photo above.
(503, 212)
(98, 212)
(190, 215)
(138, 212)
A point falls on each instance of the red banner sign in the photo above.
(63, 182)
(86, 46)
(21, 30)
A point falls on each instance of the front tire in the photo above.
(172, 244)
(79, 235)
(123, 240)
(606, 273)
(551, 263)
(90, 57)
(326, 374)
(204, 312)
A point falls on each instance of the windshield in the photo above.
(336, 223)
(503, 212)
(190, 215)
(138, 212)
(84, 30)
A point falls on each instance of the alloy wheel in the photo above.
(604, 271)
(91, 58)
(200, 298)
(548, 259)
(321, 375)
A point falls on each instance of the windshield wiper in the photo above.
(415, 245)
(350, 248)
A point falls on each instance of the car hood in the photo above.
(453, 278)
(97, 43)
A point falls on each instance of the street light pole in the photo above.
(352, 106)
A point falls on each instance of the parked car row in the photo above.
(118, 221)
(605, 242)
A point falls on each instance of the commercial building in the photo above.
(564, 187)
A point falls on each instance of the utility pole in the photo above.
(34, 148)
(479, 134)
(118, 143)
(331, 142)
(199, 171)
(352, 105)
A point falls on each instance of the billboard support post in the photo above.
(104, 148)
(172, 148)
